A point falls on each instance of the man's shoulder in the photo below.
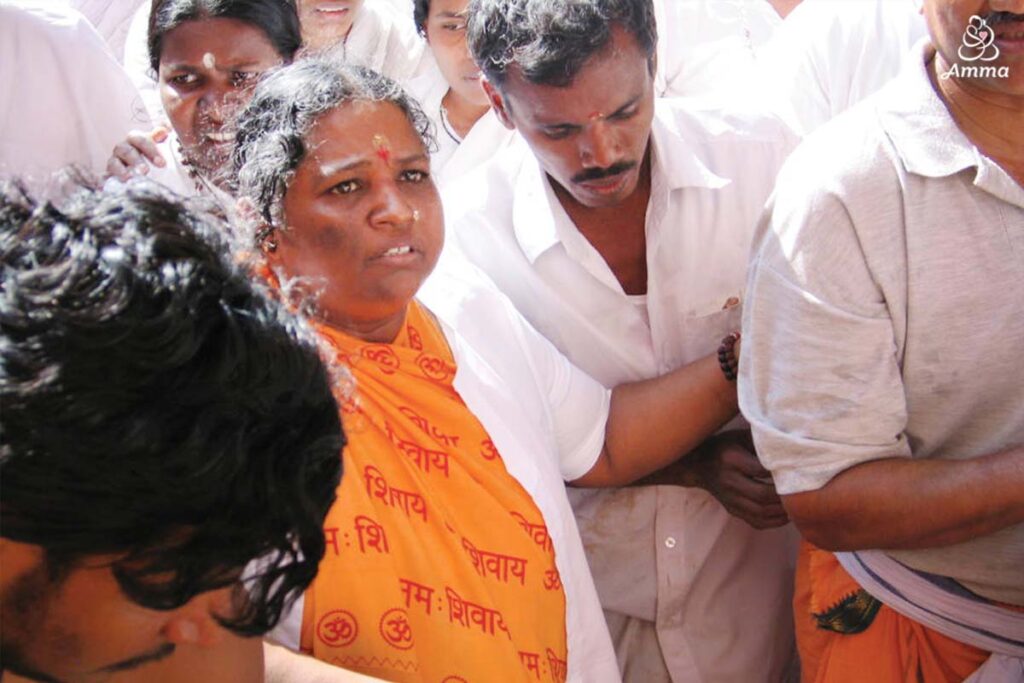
(730, 139)
(851, 157)
(707, 120)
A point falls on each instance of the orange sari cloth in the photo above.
(891, 648)
(438, 564)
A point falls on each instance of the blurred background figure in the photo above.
(208, 55)
(831, 54)
(66, 100)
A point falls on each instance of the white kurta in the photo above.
(65, 98)
(716, 591)
(547, 419)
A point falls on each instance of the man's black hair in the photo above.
(157, 407)
(549, 41)
(420, 12)
(278, 19)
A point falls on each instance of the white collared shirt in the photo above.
(831, 54)
(886, 310)
(710, 47)
(711, 174)
(65, 99)
(454, 158)
(547, 419)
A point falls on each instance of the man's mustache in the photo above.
(589, 174)
(993, 19)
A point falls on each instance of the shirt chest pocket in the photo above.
(684, 339)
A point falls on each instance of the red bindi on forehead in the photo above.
(382, 147)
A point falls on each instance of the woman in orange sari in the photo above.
(453, 554)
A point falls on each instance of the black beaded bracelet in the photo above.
(727, 356)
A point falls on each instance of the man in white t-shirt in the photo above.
(620, 228)
(881, 367)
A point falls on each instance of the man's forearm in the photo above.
(654, 422)
(902, 504)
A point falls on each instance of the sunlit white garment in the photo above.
(111, 18)
(709, 47)
(386, 41)
(65, 99)
(831, 54)
(455, 157)
(715, 591)
(547, 419)
(136, 63)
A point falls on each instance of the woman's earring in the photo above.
(269, 245)
(415, 215)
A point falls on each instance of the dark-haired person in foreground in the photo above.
(621, 232)
(164, 425)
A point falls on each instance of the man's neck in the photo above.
(618, 233)
(462, 114)
(784, 7)
(990, 120)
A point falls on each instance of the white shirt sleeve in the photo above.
(820, 380)
(578, 404)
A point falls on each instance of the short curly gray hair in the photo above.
(270, 141)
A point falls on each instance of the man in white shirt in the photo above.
(625, 243)
(881, 368)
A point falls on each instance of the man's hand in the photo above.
(726, 467)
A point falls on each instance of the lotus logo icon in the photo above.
(979, 45)
(979, 42)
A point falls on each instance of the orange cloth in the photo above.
(892, 649)
(438, 564)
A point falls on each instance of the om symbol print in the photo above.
(979, 42)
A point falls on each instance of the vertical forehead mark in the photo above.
(382, 146)
(595, 116)
(209, 61)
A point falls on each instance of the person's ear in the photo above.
(195, 623)
(498, 103)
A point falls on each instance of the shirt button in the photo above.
(670, 542)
